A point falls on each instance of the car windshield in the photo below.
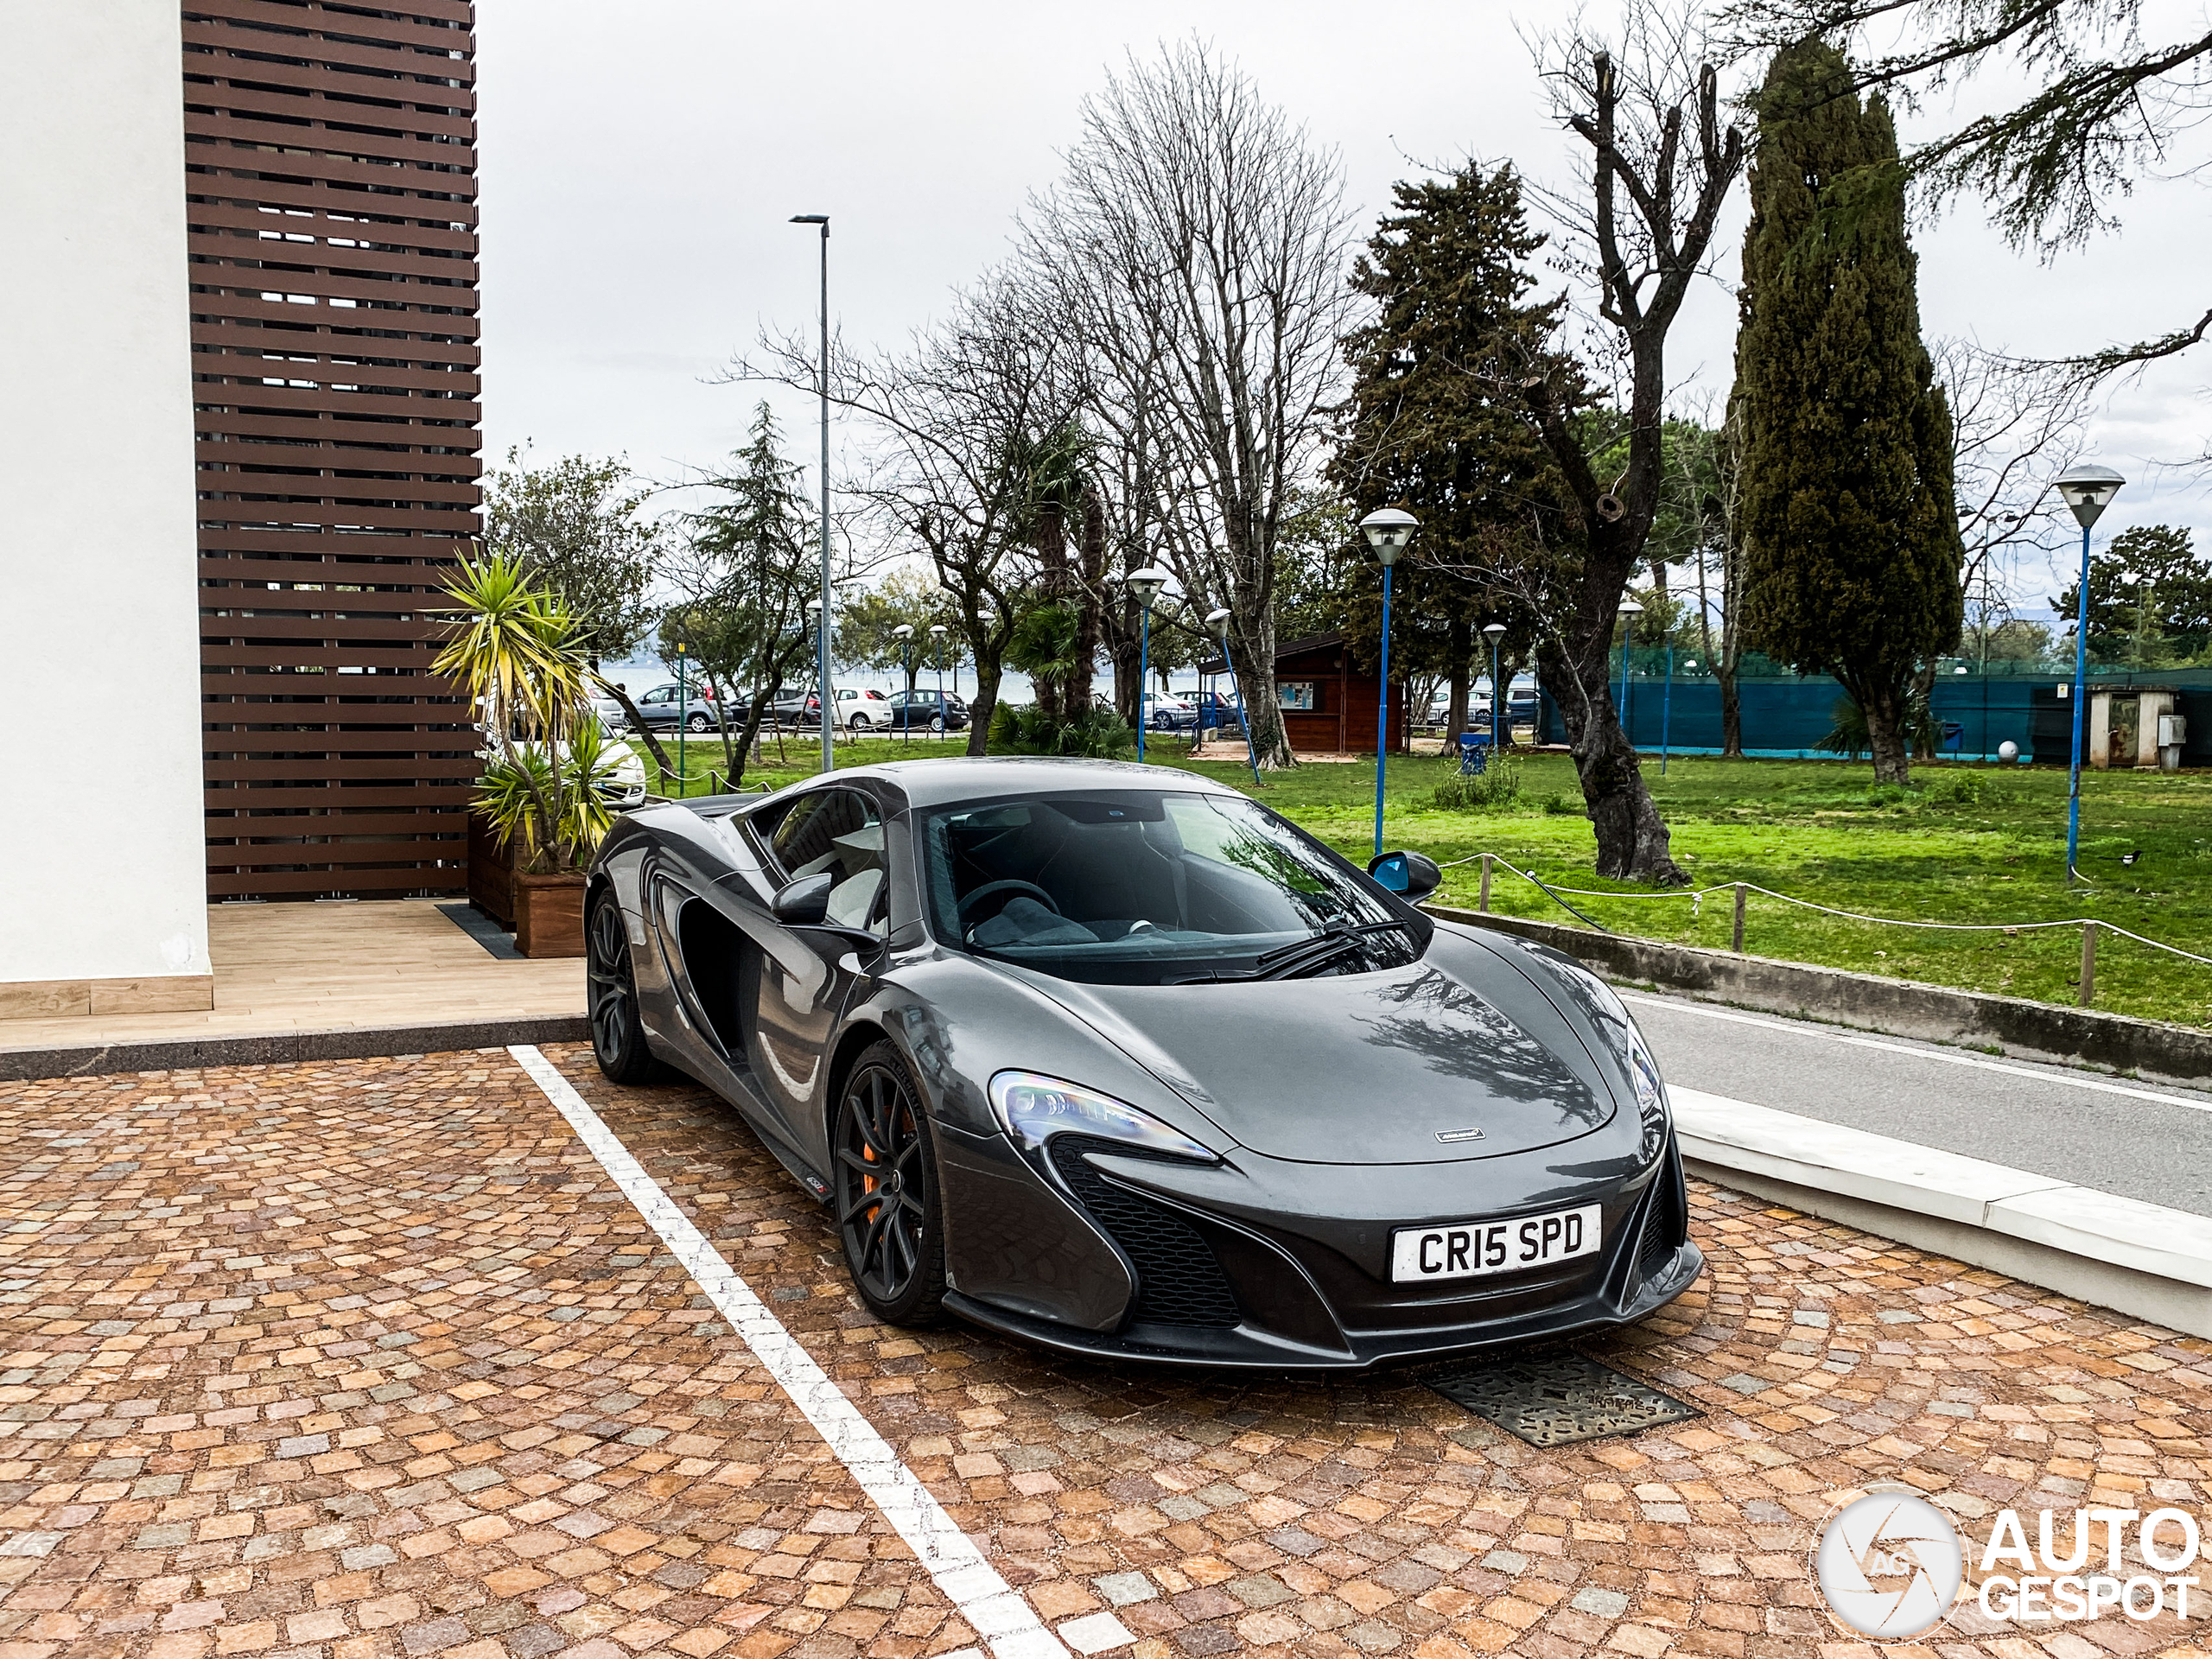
(1150, 887)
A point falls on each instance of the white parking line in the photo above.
(1006, 1622)
(1796, 1028)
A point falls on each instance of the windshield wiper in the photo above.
(1288, 961)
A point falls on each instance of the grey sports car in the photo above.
(1112, 1058)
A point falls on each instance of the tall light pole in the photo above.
(1630, 611)
(1387, 530)
(937, 631)
(1495, 631)
(2088, 490)
(1217, 624)
(1144, 586)
(822, 647)
(904, 634)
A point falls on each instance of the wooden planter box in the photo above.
(550, 915)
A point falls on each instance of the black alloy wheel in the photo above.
(859, 724)
(887, 1197)
(618, 1034)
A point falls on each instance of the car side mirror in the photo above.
(804, 903)
(1410, 875)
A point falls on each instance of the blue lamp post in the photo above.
(1217, 624)
(1387, 530)
(904, 634)
(1144, 586)
(1495, 631)
(2088, 490)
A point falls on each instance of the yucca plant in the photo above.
(519, 652)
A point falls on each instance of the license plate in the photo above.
(1468, 1249)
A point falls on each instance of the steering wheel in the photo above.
(991, 889)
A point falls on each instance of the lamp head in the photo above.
(1387, 530)
(810, 218)
(1630, 607)
(904, 631)
(1146, 583)
(1218, 624)
(2087, 489)
(937, 630)
(1493, 632)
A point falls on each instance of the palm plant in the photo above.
(520, 653)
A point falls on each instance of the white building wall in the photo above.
(102, 844)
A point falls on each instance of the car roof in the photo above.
(966, 778)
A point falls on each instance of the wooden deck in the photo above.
(282, 969)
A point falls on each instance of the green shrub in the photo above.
(1959, 788)
(1560, 806)
(1097, 735)
(1499, 786)
(1889, 795)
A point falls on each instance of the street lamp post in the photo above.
(1494, 632)
(1145, 585)
(1387, 530)
(2088, 490)
(1667, 706)
(822, 647)
(1217, 624)
(904, 634)
(937, 631)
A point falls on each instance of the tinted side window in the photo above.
(811, 829)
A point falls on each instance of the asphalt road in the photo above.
(2152, 1142)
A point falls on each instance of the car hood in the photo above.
(1375, 1068)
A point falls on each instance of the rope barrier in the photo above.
(1697, 894)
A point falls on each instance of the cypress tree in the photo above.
(1851, 538)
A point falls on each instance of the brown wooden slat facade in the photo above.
(331, 191)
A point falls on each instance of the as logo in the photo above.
(1890, 1564)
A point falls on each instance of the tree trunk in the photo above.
(1885, 737)
(1731, 713)
(1090, 586)
(1632, 838)
(1463, 635)
(1253, 660)
(1050, 541)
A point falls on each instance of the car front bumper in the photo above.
(1285, 1266)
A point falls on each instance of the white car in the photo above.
(862, 709)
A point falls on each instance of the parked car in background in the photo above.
(862, 708)
(666, 707)
(1164, 712)
(927, 711)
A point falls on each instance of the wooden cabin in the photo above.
(1328, 701)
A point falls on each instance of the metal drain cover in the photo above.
(1556, 1398)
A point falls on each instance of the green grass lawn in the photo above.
(1815, 829)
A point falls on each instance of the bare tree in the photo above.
(959, 411)
(1661, 164)
(1197, 244)
(2009, 419)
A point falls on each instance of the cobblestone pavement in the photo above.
(370, 1358)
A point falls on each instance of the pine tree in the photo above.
(1423, 430)
(1851, 548)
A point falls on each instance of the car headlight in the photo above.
(1034, 1108)
(1650, 1098)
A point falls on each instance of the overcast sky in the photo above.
(639, 164)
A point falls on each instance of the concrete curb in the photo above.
(2138, 1259)
(279, 1048)
(1899, 1006)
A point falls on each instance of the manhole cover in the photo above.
(1553, 1399)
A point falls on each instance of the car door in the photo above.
(798, 987)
